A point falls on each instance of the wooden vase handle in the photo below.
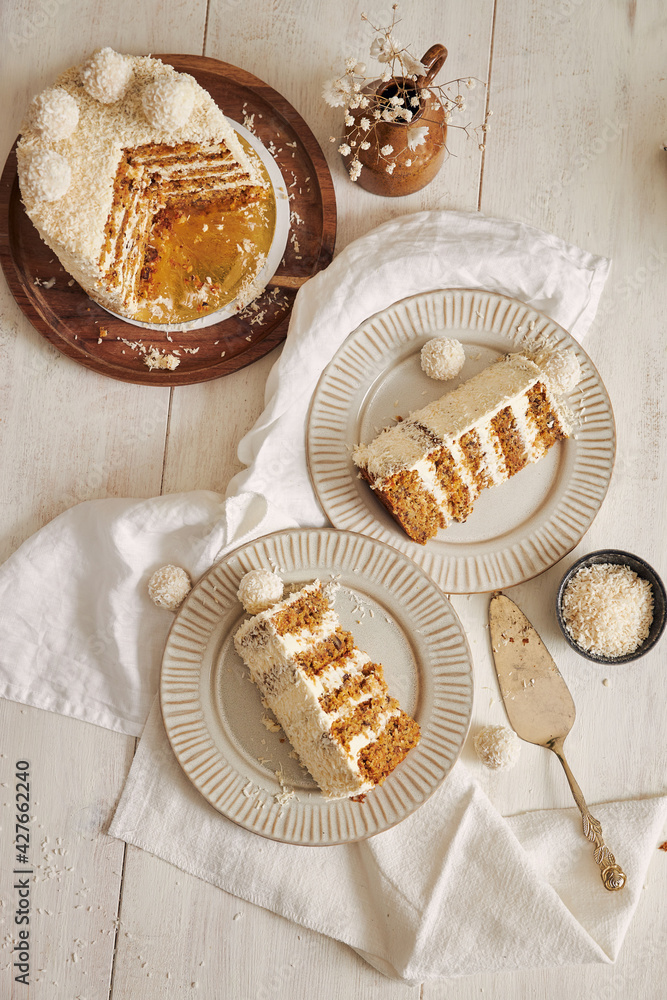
(433, 60)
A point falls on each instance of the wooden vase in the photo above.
(413, 168)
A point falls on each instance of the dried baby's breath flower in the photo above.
(412, 66)
(401, 104)
(417, 136)
(336, 92)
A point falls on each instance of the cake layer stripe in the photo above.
(329, 696)
(487, 429)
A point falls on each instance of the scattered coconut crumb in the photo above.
(271, 725)
(154, 359)
(331, 588)
(287, 792)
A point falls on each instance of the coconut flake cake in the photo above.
(113, 158)
(429, 469)
(330, 698)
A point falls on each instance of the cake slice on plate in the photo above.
(429, 469)
(112, 157)
(330, 698)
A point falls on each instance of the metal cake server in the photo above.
(540, 708)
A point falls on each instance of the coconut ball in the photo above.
(106, 75)
(168, 102)
(562, 370)
(54, 114)
(46, 176)
(497, 747)
(169, 586)
(442, 358)
(260, 589)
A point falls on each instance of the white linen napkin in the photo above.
(78, 633)
(453, 890)
(444, 892)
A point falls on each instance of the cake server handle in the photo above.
(613, 876)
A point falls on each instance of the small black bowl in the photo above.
(645, 572)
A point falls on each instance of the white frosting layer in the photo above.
(74, 226)
(470, 407)
(294, 696)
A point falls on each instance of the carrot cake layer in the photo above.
(429, 469)
(112, 155)
(330, 698)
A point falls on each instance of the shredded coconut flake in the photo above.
(54, 114)
(106, 75)
(168, 102)
(169, 586)
(442, 358)
(46, 176)
(259, 590)
(154, 359)
(607, 609)
(497, 747)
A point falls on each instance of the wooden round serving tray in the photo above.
(73, 323)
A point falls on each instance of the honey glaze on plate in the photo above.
(208, 256)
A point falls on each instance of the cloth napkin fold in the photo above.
(79, 634)
(453, 889)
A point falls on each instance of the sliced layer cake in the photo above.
(112, 157)
(329, 696)
(429, 469)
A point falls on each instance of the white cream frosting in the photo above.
(470, 407)
(74, 225)
(294, 697)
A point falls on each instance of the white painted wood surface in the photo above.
(579, 96)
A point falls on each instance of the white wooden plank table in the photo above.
(579, 97)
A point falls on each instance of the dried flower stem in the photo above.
(404, 99)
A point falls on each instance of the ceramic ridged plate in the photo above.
(517, 529)
(213, 713)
